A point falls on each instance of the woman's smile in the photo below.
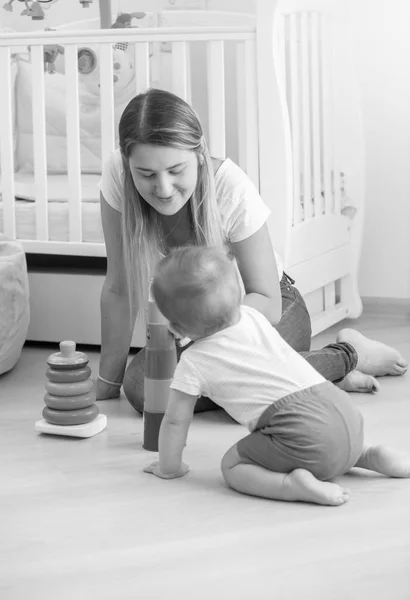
(165, 199)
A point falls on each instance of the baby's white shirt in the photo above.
(244, 368)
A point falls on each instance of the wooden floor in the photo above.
(80, 520)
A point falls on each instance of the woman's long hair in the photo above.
(160, 118)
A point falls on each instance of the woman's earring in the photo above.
(201, 159)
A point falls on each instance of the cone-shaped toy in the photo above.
(70, 399)
(160, 363)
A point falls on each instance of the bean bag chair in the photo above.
(14, 302)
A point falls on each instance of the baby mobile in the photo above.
(33, 8)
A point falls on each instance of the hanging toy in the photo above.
(33, 8)
(124, 19)
(34, 11)
(51, 53)
(89, 69)
(9, 5)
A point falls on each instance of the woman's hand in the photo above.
(104, 391)
(154, 468)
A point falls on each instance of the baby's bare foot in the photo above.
(385, 460)
(355, 381)
(375, 358)
(300, 485)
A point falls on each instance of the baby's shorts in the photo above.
(318, 429)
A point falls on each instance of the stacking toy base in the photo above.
(83, 431)
(152, 424)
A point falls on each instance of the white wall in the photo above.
(381, 31)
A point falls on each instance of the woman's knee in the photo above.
(133, 384)
(295, 325)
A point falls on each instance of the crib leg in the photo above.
(351, 297)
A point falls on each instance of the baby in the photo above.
(304, 430)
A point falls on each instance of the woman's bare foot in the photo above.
(300, 485)
(355, 381)
(385, 460)
(375, 358)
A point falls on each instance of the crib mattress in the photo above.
(57, 221)
(58, 217)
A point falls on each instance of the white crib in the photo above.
(276, 93)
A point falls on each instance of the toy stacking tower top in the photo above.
(68, 357)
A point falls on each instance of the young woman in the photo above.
(161, 189)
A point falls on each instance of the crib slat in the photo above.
(281, 42)
(155, 63)
(326, 114)
(107, 101)
(317, 183)
(306, 128)
(180, 69)
(141, 66)
(337, 186)
(251, 115)
(7, 146)
(335, 170)
(189, 73)
(73, 145)
(216, 99)
(40, 142)
(337, 182)
(241, 102)
(295, 116)
(247, 109)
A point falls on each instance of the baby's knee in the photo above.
(230, 459)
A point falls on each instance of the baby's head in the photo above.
(197, 289)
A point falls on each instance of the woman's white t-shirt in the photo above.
(242, 210)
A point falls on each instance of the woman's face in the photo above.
(165, 177)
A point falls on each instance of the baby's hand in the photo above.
(155, 470)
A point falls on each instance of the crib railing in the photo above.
(218, 41)
(320, 237)
(305, 52)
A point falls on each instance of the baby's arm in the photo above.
(173, 435)
(174, 430)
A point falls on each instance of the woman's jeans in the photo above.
(334, 361)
